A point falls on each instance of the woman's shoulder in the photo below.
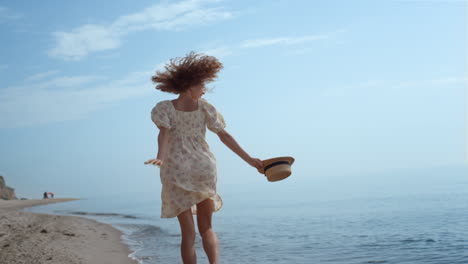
(205, 104)
(163, 102)
(162, 105)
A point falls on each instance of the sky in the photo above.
(360, 93)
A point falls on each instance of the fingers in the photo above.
(155, 162)
(151, 161)
(259, 163)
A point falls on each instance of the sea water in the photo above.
(297, 226)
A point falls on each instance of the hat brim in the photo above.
(267, 162)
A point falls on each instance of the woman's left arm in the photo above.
(231, 143)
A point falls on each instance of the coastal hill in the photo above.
(6, 193)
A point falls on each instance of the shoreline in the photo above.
(55, 239)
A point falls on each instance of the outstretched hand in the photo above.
(156, 162)
(256, 163)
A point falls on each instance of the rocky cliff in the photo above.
(6, 193)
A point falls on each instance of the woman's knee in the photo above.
(187, 225)
(204, 213)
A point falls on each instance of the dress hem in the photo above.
(197, 202)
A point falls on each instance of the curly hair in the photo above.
(183, 73)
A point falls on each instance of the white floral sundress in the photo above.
(188, 174)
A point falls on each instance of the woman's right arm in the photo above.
(163, 145)
(231, 143)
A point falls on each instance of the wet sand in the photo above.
(40, 238)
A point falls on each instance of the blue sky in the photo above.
(356, 91)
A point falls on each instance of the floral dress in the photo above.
(188, 174)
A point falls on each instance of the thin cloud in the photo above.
(7, 15)
(434, 82)
(342, 91)
(70, 81)
(257, 43)
(219, 52)
(65, 98)
(84, 40)
(41, 75)
(227, 50)
(81, 41)
(374, 84)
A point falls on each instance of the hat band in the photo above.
(275, 164)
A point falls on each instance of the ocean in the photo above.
(298, 226)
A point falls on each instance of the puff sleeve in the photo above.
(214, 120)
(160, 115)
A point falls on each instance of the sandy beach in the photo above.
(40, 238)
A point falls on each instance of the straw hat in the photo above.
(277, 169)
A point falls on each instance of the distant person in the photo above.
(188, 168)
(51, 194)
(45, 195)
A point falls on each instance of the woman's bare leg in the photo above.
(210, 241)
(187, 246)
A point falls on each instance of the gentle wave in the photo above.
(103, 214)
(144, 230)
